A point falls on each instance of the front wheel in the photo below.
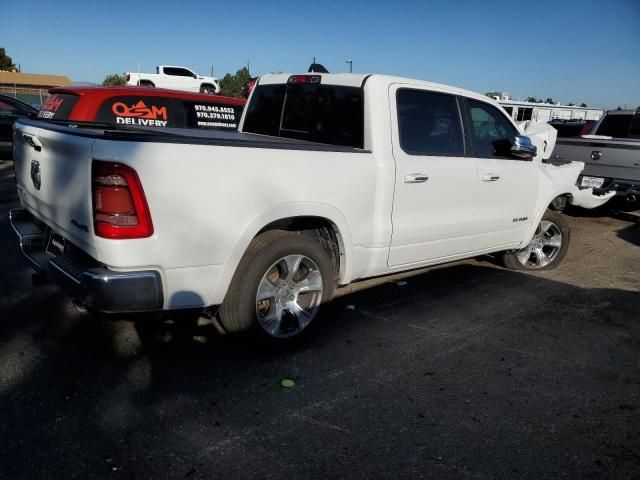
(546, 249)
(279, 286)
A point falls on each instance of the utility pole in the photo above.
(212, 70)
(350, 62)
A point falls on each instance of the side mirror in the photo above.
(523, 148)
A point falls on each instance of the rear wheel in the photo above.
(146, 83)
(547, 248)
(279, 286)
(207, 89)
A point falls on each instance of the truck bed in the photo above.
(185, 136)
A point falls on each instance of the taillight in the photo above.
(120, 208)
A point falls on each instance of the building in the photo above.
(544, 112)
(31, 88)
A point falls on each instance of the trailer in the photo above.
(545, 112)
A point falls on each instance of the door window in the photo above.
(429, 123)
(491, 133)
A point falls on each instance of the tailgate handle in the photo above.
(33, 141)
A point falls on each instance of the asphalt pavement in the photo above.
(462, 371)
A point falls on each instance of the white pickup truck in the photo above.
(332, 178)
(175, 78)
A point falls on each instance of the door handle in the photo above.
(490, 177)
(33, 141)
(415, 178)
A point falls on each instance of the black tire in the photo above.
(238, 311)
(146, 83)
(514, 259)
(207, 89)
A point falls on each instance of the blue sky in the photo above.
(573, 51)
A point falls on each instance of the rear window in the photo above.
(58, 106)
(319, 113)
(168, 112)
(616, 126)
(634, 130)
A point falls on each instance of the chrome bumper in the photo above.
(82, 277)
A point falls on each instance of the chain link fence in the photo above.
(29, 95)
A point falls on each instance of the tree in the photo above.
(583, 105)
(231, 85)
(549, 100)
(571, 104)
(531, 99)
(114, 80)
(6, 63)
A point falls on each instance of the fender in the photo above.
(278, 212)
(561, 180)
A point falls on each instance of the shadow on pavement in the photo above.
(464, 370)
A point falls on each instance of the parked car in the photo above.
(611, 154)
(331, 179)
(175, 78)
(141, 106)
(10, 110)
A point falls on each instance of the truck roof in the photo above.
(624, 112)
(358, 80)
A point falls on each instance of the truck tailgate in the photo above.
(53, 176)
(610, 159)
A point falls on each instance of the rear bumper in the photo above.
(82, 277)
(621, 186)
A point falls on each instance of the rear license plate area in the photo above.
(595, 182)
(56, 245)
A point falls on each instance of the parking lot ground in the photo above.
(462, 371)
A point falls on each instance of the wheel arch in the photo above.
(544, 206)
(208, 84)
(304, 218)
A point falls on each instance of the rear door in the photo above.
(507, 188)
(435, 182)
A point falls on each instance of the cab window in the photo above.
(429, 123)
(178, 72)
(491, 133)
(615, 125)
(7, 108)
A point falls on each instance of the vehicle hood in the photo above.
(542, 135)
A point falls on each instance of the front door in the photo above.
(435, 183)
(507, 187)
